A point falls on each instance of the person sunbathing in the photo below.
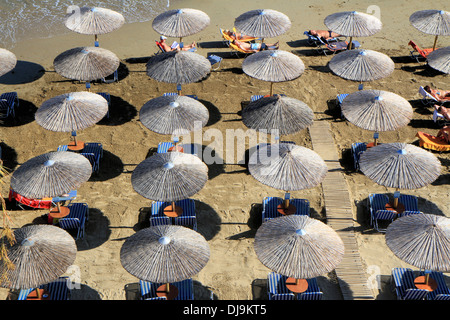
(324, 34)
(444, 133)
(255, 47)
(175, 46)
(238, 36)
(440, 95)
(443, 111)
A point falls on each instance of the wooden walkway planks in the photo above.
(339, 213)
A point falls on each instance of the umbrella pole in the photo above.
(96, 41)
(350, 44)
(271, 89)
(435, 42)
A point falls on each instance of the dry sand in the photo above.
(228, 208)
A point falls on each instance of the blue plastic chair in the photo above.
(93, 151)
(9, 101)
(58, 290)
(259, 96)
(270, 205)
(76, 219)
(186, 221)
(376, 201)
(407, 213)
(340, 98)
(159, 221)
(115, 77)
(164, 147)
(357, 149)
(188, 206)
(185, 289)
(107, 97)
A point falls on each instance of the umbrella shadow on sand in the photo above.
(24, 114)
(9, 157)
(363, 214)
(201, 292)
(97, 230)
(24, 72)
(120, 112)
(110, 167)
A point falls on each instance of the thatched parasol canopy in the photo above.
(180, 67)
(400, 165)
(169, 176)
(8, 61)
(298, 246)
(287, 167)
(165, 253)
(422, 240)
(273, 66)
(94, 20)
(51, 174)
(173, 114)
(377, 110)
(440, 59)
(353, 24)
(180, 22)
(263, 23)
(40, 254)
(361, 65)
(86, 63)
(287, 115)
(435, 22)
(71, 111)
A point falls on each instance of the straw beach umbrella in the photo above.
(273, 66)
(422, 240)
(51, 174)
(180, 67)
(180, 22)
(263, 23)
(93, 21)
(173, 114)
(377, 110)
(361, 65)
(170, 177)
(353, 24)
(440, 60)
(435, 22)
(400, 166)
(298, 247)
(8, 61)
(165, 254)
(285, 114)
(287, 167)
(40, 254)
(71, 112)
(86, 63)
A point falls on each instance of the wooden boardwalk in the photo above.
(351, 274)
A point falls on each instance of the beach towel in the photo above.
(429, 141)
(44, 203)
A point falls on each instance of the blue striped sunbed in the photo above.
(93, 151)
(107, 97)
(187, 148)
(270, 205)
(193, 96)
(76, 219)
(357, 148)
(403, 280)
(410, 202)
(383, 215)
(376, 201)
(277, 286)
(58, 290)
(185, 289)
(188, 217)
(259, 96)
(9, 101)
(442, 292)
(214, 60)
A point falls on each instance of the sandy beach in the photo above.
(228, 208)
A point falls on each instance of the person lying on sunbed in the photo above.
(238, 36)
(440, 95)
(444, 133)
(167, 48)
(445, 112)
(255, 47)
(324, 34)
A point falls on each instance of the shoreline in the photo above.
(229, 206)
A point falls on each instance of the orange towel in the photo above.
(429, 141)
